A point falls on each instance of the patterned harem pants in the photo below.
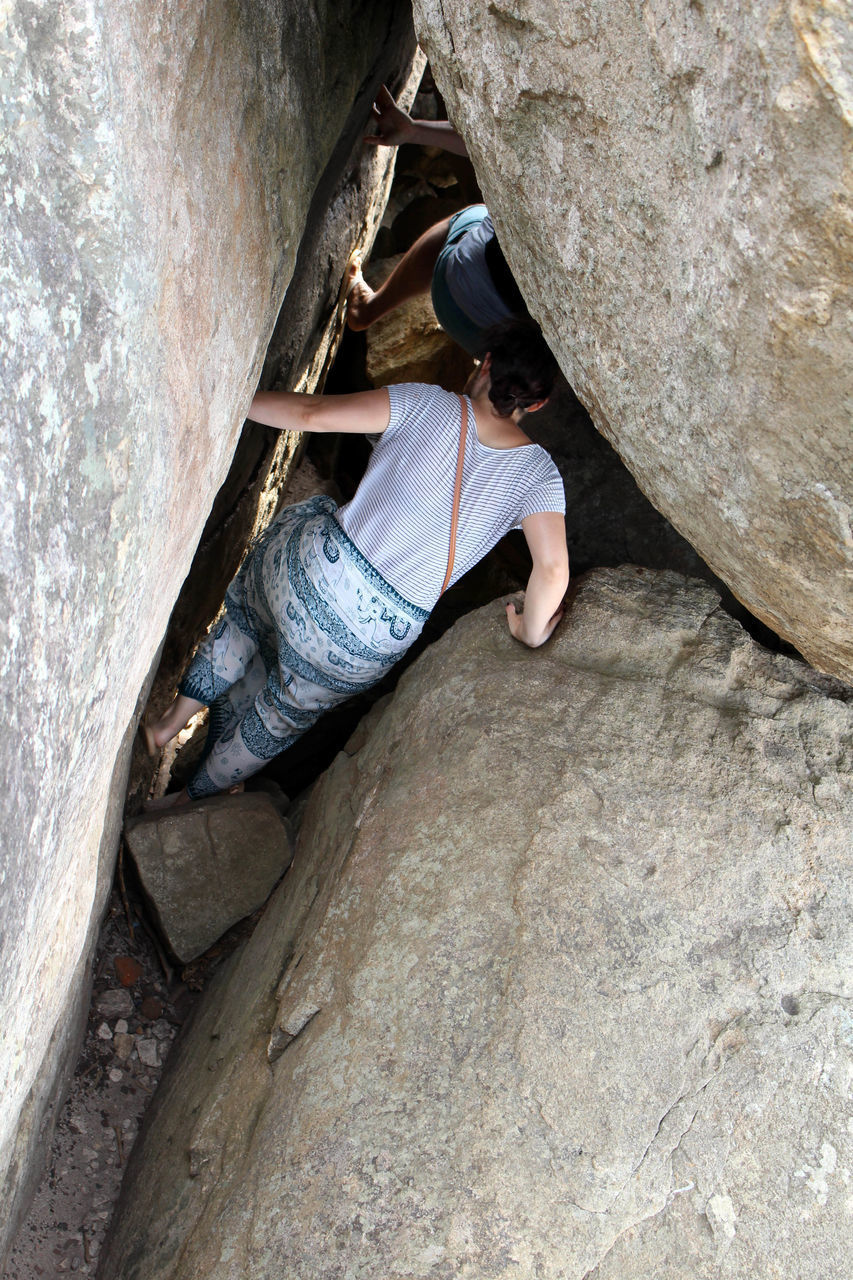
(308, 622)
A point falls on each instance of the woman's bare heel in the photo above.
(146, 737)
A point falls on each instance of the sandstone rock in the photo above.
(123, 1044)
(409, 345)
(559, 979)
(114, 1003)
(209, 865)
(670, 184)
(149, 1052)
(160, 163)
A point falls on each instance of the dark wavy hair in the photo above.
(523, 369)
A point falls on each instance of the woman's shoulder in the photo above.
(536, 458)
(539, 468)
(419, 400)
(420, 391)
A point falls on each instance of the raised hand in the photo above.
(394, 125)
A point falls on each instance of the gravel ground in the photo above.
(138, 1006)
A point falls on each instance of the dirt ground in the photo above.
(139, 1004)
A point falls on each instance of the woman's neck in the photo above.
(492, 429)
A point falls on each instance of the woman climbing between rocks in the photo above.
(458, 260)
(330, 598)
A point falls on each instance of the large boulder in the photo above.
(160, 163)
(670, 183)
(559, 979)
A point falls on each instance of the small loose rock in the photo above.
(149, 1052)
(127, 970)
(96, 1129)
(123, 1044)
(114, 1003)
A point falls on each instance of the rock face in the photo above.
(670, 183)
(206, 867)
(559, 979)
(159, 166)
(409, 345)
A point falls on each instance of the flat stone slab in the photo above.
(208, 865)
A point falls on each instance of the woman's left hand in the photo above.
(395, 126)
(515, 622)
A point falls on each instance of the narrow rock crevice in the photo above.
(630, 634)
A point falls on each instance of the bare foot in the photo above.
(156, 733)
(146, 736)
(359, 304)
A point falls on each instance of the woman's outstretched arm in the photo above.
(365, 412)
(543, 600)
(396, 126)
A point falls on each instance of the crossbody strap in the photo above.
(457, 493)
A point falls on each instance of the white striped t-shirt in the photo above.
(400, 515)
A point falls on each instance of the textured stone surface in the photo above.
(560, 978)
(206, 867)
(671, 185)
(409, 345)
(159, 163)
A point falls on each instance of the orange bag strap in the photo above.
(457, 493)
